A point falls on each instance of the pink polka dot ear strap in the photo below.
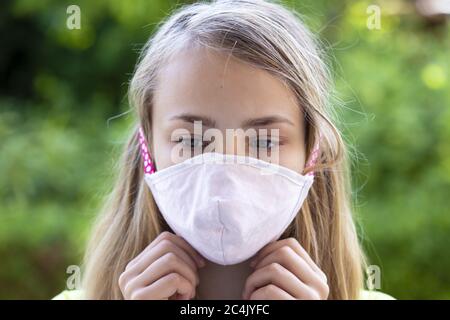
(149, 167)
(313, 158)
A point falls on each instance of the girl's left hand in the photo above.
(285, 271)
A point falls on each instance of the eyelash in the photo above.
(254, 143)
(190, 139)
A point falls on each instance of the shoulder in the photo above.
(374, 295)
(70, 295)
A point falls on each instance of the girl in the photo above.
(174, 229)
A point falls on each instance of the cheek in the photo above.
(162, 149)
(292, 156)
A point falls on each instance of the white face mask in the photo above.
(228, 207)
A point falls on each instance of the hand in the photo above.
(165, 269)
(285, 271)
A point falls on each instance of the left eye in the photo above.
(263, 143)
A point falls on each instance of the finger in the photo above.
(175, 239)
(296, 246)
(294, 263)
(282, 278)
(271, 292)
(169, 263)
(159, 250)
(164, 288)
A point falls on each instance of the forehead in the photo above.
(217, 85)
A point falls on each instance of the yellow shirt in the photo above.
(365, 295)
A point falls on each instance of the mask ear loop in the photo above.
(313, 157)
(149, 168)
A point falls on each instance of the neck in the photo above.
(222, 282)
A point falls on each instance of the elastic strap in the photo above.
(313, 157)
(149, 168)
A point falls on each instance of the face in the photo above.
(247, 110)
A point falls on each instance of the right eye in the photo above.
(191, 142)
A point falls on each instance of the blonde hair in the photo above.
(272, 38)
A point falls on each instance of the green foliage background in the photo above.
(57, 149)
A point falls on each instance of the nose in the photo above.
(236, 143)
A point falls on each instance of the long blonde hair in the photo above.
(270, 37)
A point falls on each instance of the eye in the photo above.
(191, 142)
(264, 143)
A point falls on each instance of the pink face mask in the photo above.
(227, 207)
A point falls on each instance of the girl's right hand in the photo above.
(166, 269)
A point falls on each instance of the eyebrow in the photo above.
(265, 121)
(188, 117)
(253, 122)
